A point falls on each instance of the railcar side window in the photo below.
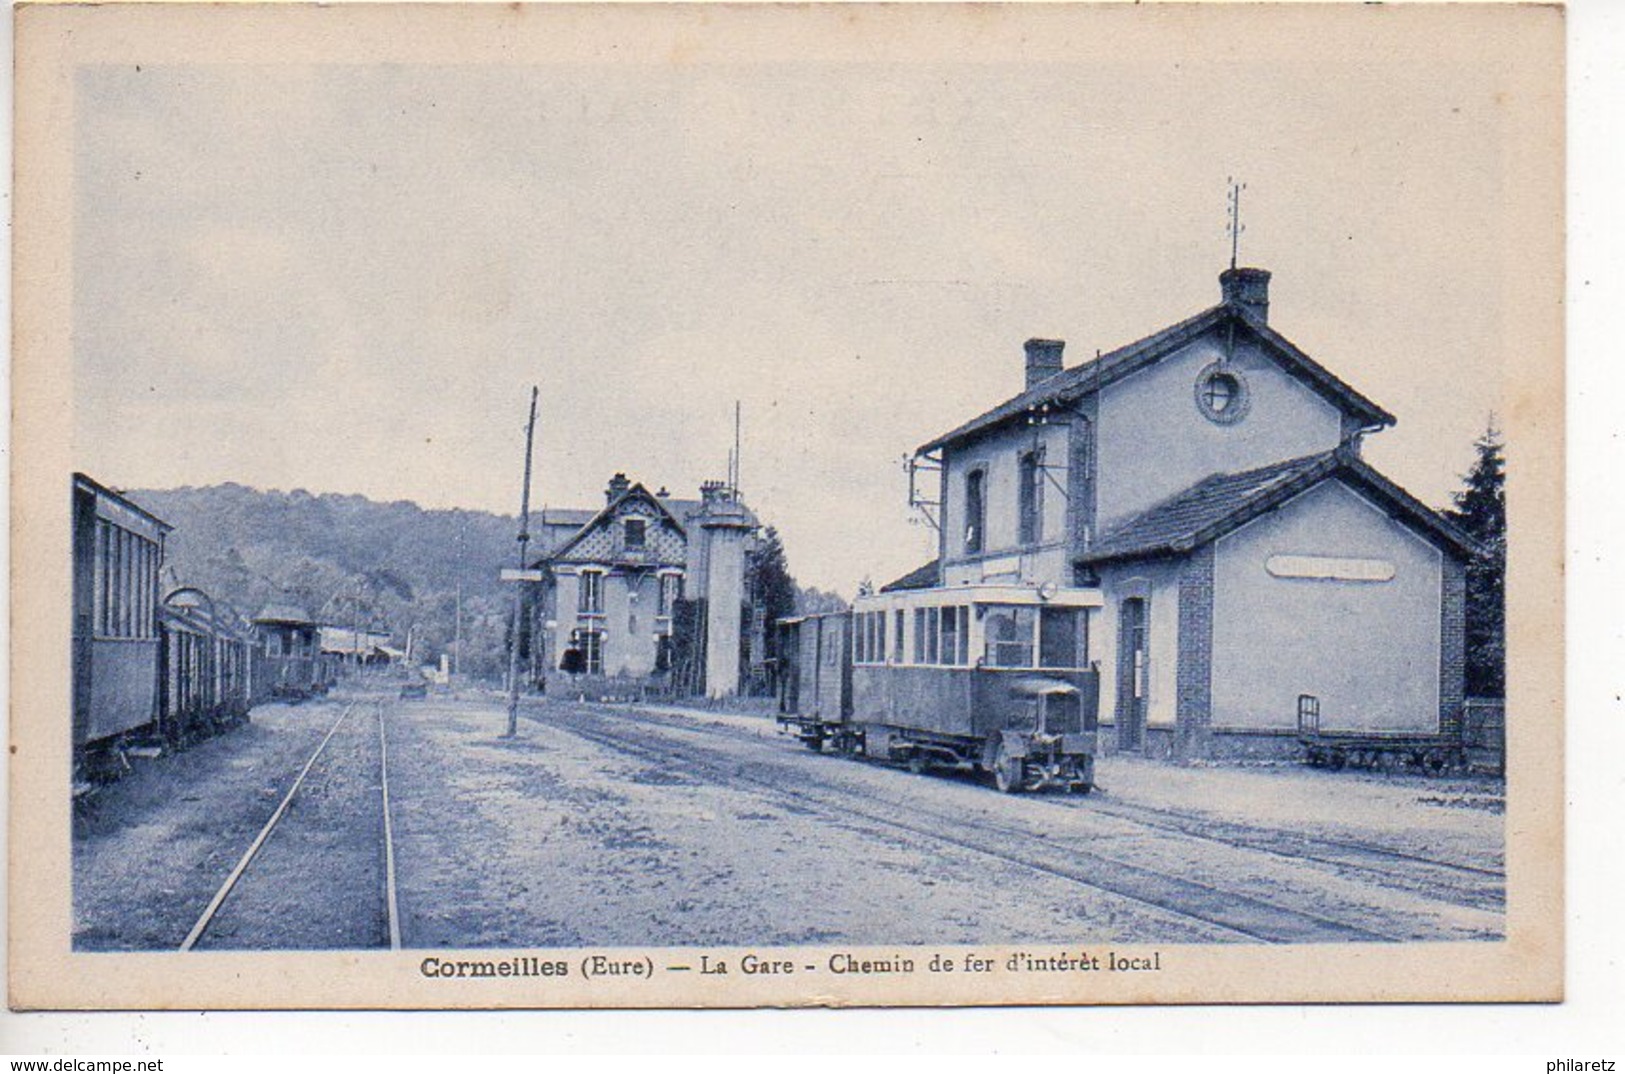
(1009, 637)
(869, 641)
(953, 636)
(898, 655)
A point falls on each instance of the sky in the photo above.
(345, 276)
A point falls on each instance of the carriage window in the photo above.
(1010, 637)
(1059, 634)
(898, 620)
(125, 573)
(919, 635)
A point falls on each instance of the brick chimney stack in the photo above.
(617, 488)
(1043, 359)
(1248, 288)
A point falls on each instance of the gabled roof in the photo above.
(925, 576)
(635, 492)
(1072, 384)
(1219, 504)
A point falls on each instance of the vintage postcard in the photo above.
(754, 505)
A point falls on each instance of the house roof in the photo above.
(925, 576)
(284, 613)
(561, 529)
(1072, 384)
(633, 492)
(1222, 503)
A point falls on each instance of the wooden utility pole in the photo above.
(519, 590)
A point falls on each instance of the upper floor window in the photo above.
(975, 509)
(1030, 480)
(634, 532)
(592, 592)
(1221, 394)
(671, 589)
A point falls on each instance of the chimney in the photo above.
(617, 488)
(1043, 359)
(1247, 288)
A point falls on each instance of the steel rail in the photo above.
(391, 906)
(1106, 805)
(259, 840)
(1233, 912)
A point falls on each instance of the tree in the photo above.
(769, 585)
(1480, 511)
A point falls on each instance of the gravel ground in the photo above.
(608, 825)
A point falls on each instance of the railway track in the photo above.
(319, 850)
(1234, 914)
(1479, 887)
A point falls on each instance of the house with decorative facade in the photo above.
(648, 587)
(1206, 482)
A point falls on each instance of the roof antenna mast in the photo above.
(1236, 227)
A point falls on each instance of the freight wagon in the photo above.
(984, 677)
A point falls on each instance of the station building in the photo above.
(1207, 482)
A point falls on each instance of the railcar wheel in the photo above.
(814, 743)
(1009, 773)
(917, 763)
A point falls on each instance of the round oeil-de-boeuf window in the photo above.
(1221, 394)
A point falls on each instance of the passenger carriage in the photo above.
(118, 549)
(207, 664)
(987, 677)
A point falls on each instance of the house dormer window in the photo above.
(634, 532)
(975, 510)
(1221, 394)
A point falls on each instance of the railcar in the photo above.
(983, 677)
(118, 550)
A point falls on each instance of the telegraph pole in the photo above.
(519, 591)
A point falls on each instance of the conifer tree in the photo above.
(769, 585)
(1480, 511)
